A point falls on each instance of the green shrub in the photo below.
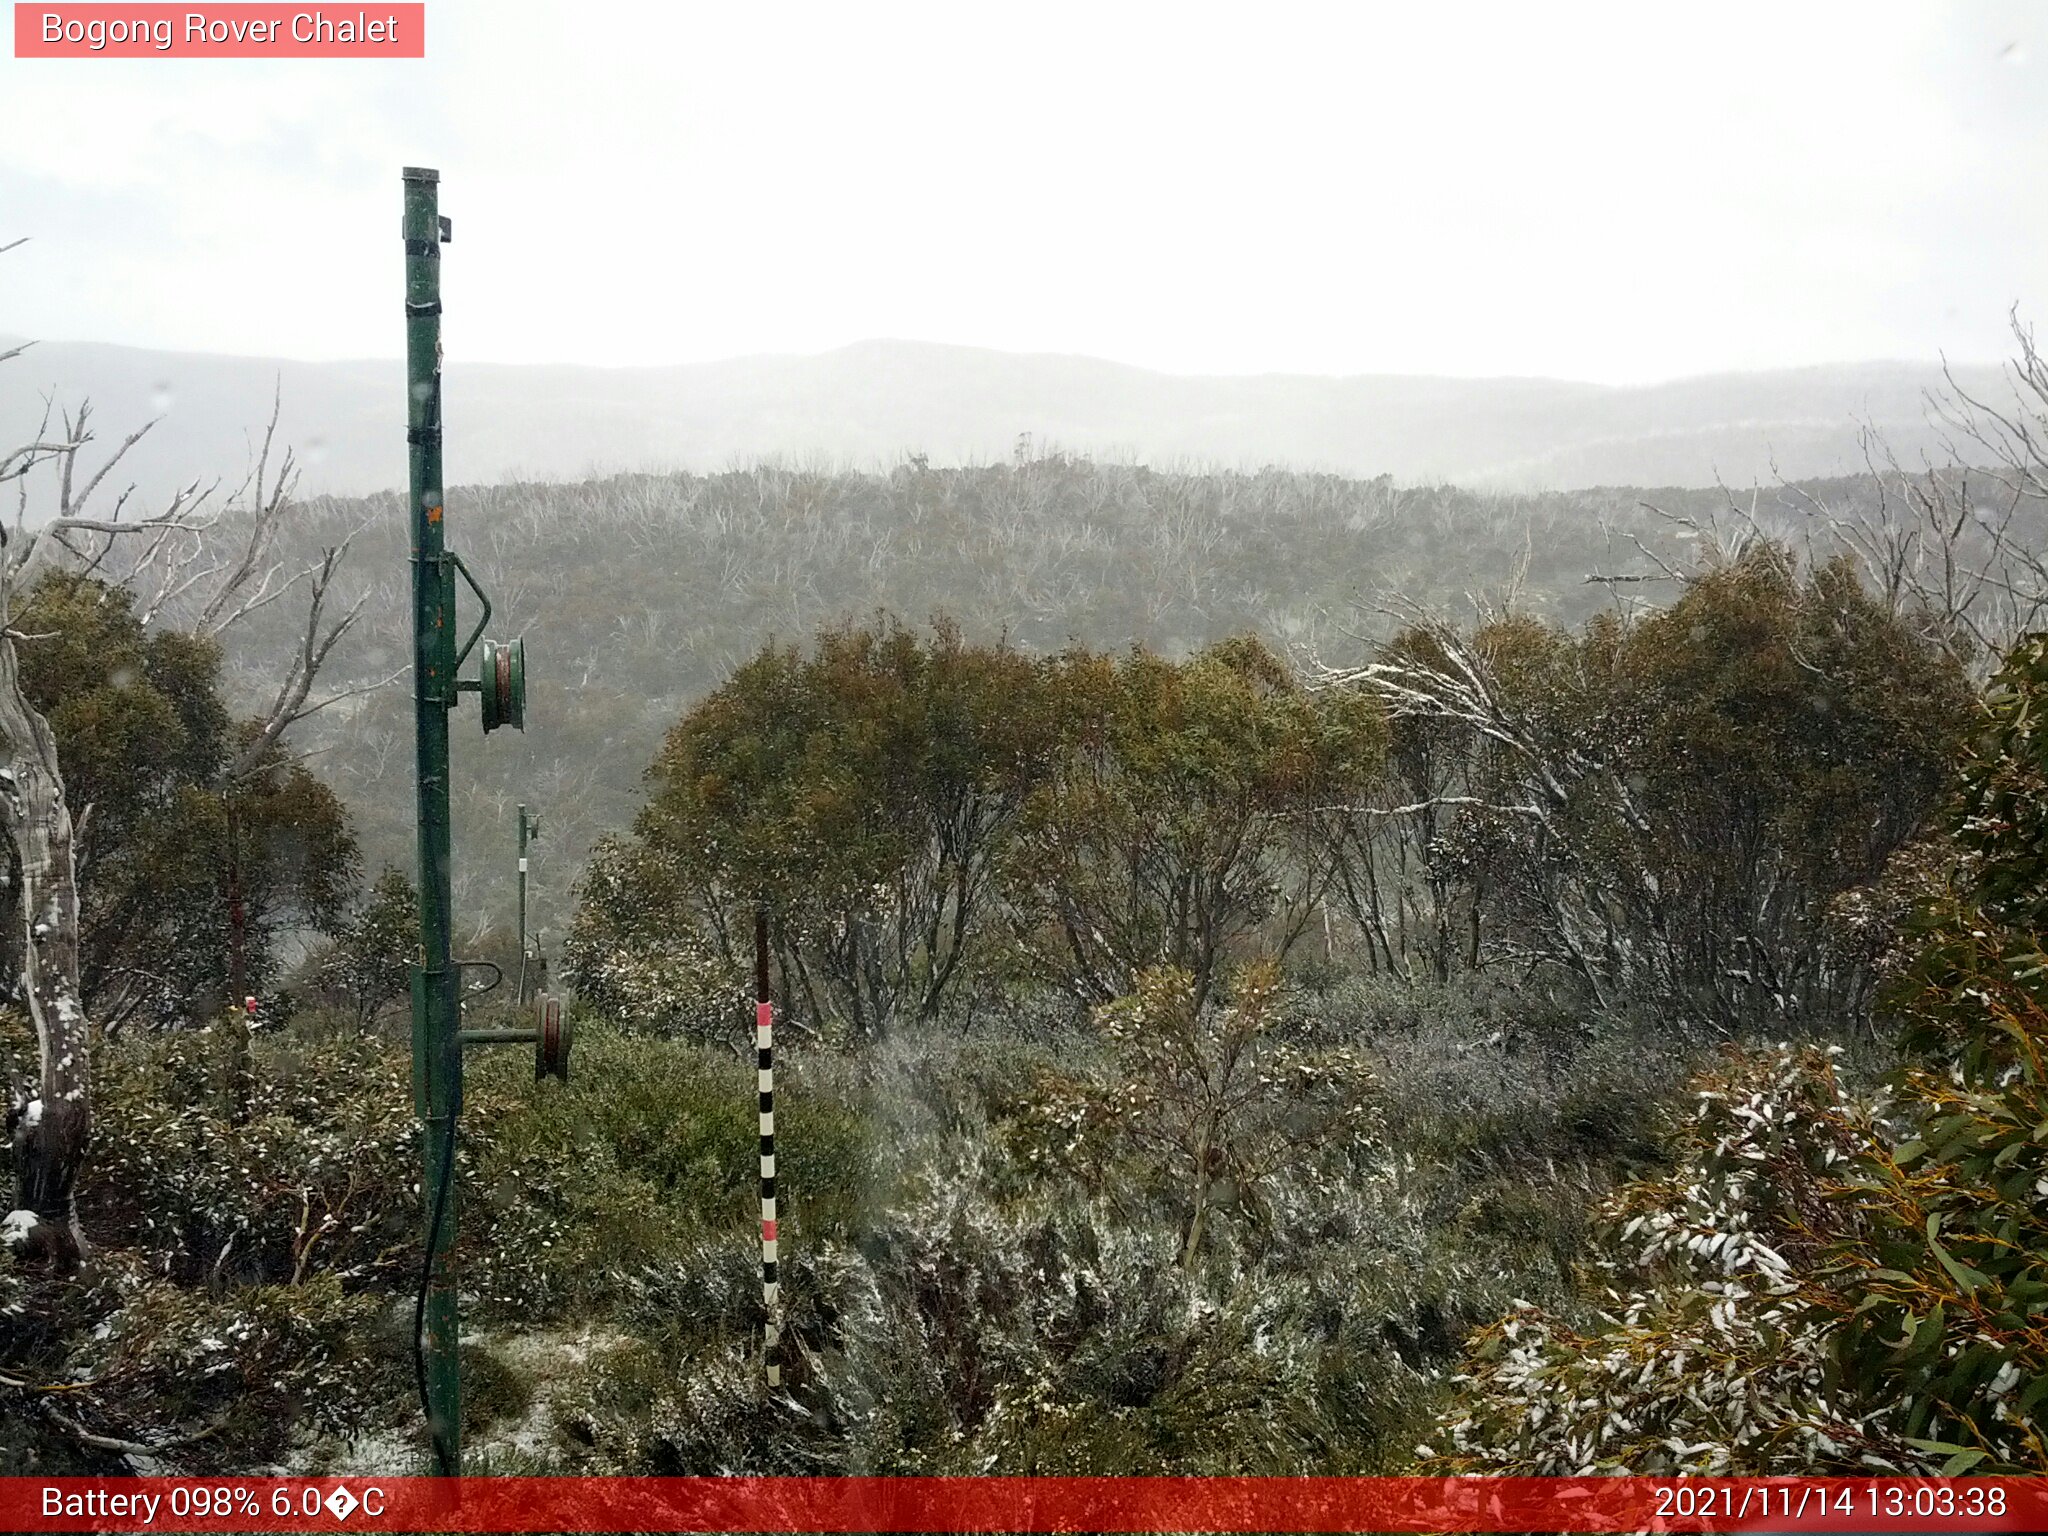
(1202, 1106)
(963, 1338)
(1706, 1357)
(492, 1389)
(317, 1179)
(574, 1192)
(226, 1381)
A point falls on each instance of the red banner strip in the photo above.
(375, 30)
(1024, 1504)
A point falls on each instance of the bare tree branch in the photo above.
(315, 642)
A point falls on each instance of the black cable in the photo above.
(444, 1456)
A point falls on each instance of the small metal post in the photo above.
(529, 829)
(764, 1046)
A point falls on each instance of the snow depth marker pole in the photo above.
(764, 1049)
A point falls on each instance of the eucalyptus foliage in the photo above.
(1833, 1281)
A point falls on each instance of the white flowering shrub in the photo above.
(303, 1185)
(1707, 1356)
(251, 1367)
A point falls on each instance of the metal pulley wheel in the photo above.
(503, 684)
(551, 1042)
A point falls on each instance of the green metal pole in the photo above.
(437, 1054)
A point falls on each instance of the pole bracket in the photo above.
(482, 619)
(551, 1034)
(497, 976)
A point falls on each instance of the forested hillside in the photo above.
(637, 596)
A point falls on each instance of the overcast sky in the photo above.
(1614, 193)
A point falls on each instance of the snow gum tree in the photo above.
(1667, 808)
(208, 569)
(860, 792)
(50, 1130)
(1831, 1280)
(187, 874)
(903, 805)
(1184, 822)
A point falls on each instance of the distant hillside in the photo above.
(872, 404)
(638, 594)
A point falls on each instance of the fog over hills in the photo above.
(874, 403)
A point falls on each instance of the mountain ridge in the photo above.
(878, 401)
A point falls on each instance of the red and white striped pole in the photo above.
(764, 1049)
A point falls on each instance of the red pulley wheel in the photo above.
(551, 1048)
(502, 682)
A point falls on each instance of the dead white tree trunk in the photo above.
(51, 1124)
(173, 557)
(49, 1130)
